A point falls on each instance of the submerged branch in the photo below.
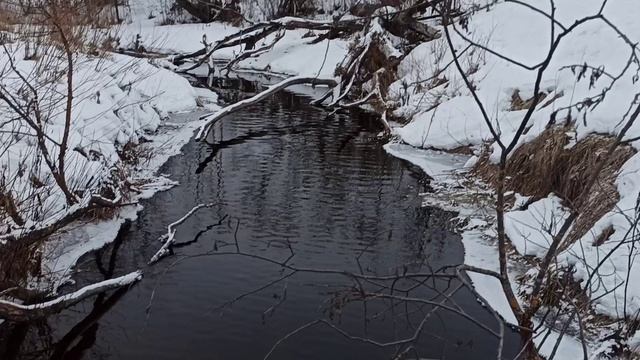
(169, 237)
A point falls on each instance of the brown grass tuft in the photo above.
(517, 103)
(548, 165)
(16, 261)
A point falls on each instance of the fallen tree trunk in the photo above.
(252, 53)
(19, 312)
(251, 35)
(212, 118)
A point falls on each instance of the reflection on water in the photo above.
(284, 177)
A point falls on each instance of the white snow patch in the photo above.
(437, 164)
(531, 230)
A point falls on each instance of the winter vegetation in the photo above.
(72, 113)
(538, 98)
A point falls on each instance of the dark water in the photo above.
(282, 175)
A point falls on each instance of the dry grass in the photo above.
(549, 165)
(8, 19)
(16, 262)
(517, 103)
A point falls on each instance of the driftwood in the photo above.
(169, 237)
(19, 312)
(252, 53)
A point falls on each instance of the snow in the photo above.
(634, 341)
(480, 252)
(117, 100)
(294, 56)
(181, 38)
(79, 294)
(160, 12)
(436, 164)
(614, 260)
(444, 115)
(531, 230)
(455, 126)
(457, 121)
(63, 250)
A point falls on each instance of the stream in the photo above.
(285, 179)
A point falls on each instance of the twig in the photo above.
(171, 232)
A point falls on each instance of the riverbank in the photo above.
(117, 130)
(63, 250)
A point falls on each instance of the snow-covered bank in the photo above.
(456, 120)
(474, 207)
(594, 60)
(293, 55)
(63, 250)
(118, 103)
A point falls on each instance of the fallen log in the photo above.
(251, 35)
(18, 312)
(212, 118)
(252, 53)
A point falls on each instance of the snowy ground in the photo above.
(456, 121)
(118, 100)
(292, 55)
